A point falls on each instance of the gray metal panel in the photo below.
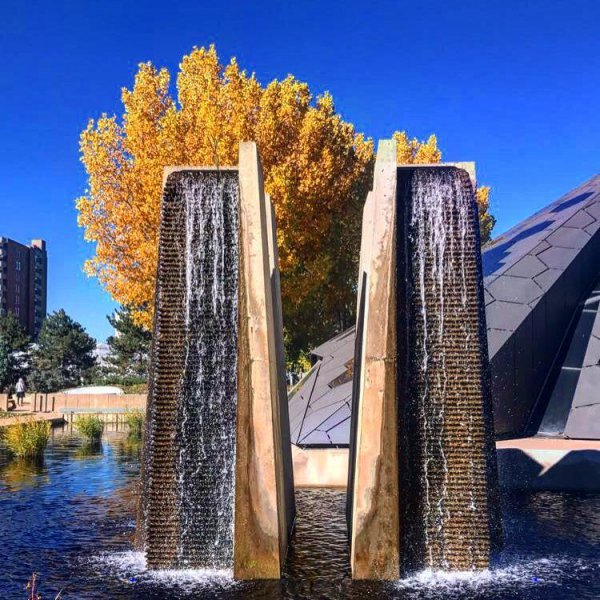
(584, 416)
(538, 273)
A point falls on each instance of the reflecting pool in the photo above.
(71, 518)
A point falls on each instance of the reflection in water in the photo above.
(22, 472)
(88, 449)
(72, 520)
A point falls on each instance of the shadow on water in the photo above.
(71, 518)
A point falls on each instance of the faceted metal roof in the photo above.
(320, 407)
(574, 405)
(535, 277)
(525, 262)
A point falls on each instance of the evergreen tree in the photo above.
(17, 342)
(129, 347)
(63, 356)
(13, 333)
(5, 364)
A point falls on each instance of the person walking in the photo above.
(20, 389)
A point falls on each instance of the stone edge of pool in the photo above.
(534, 463)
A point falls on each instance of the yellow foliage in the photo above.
(486, 220)
(416, 152)
(315, 166)
(317, 169)
(29, 438)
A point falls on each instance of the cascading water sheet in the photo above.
(189, 465)
(446, 427)
(207, 405)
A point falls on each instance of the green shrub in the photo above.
(28, 439)
(135, 422)
(90, 426)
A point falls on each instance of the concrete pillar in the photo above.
(264, 506)
(263, 509)
(373, 519)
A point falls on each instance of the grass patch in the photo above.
(90, 426)
(29, 439)
(135, 422)
(4, 414)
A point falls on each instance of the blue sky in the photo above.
(512, 85)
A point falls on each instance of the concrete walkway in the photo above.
(22, 414)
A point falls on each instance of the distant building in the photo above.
(23, 282)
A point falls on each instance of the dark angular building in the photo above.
(23, 282)
(542, 295)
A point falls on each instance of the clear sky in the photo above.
(511, 84)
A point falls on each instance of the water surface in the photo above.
(71, 519)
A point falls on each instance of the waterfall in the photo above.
(205, 461)
(444, 425)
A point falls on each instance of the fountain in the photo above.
(217, 483)
(422, 478)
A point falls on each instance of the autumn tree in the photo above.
(486, 219)
(317, 169)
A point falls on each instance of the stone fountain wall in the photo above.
(422, 487)
(447, 456)
(217, 487)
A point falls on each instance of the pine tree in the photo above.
(13, 333)
(129, 347)
(5, 364)
(63, 356)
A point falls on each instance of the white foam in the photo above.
(527, 574)
(131, 566)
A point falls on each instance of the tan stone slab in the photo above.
(546, 443)
(549, 464)
(283, 455)
(374, 550)
(260, 538)
(328, 467)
